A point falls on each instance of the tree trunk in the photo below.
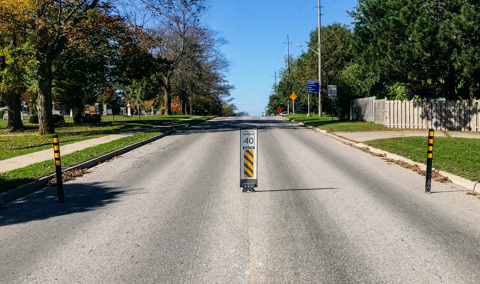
(191, 108)
(44, 103)
(14, 112)
(168, 95)
(13, 103)
(138, 109)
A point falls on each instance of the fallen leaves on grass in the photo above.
(69, 175)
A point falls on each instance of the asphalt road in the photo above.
(173, 212)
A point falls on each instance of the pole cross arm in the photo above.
(301, 45)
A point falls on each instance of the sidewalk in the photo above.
(373, 135)
(45, 155)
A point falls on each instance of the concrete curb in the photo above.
(33, 186)
(457, 180)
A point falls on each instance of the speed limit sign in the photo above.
(332, 92)
(248, 159)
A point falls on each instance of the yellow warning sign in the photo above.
(293, 96)
(248, 163)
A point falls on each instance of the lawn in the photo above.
(459, 156)
(17, 144)
(12, 179)
(326, 123)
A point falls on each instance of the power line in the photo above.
(299, 13)
(311, 12)
(251, 104)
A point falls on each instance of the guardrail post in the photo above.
(58, 168)
(428, 183)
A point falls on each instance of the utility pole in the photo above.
(288, 57)
(288, 71)
(319, 60)
(276, 78)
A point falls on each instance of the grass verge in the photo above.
(326, 123)
(18, 144)
(18, 177)
(15, 178)
(459, 156)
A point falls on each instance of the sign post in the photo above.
(248, 159)
(332, 94)
(293, 97)
(312, 87)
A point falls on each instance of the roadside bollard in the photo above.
(58, 168)
(428, 183)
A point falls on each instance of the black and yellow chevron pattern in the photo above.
(248, 163)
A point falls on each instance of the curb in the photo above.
(457, 180)
(33, 186)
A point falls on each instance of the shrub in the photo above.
(1, 113)
(58, 118)
(79, 119)
(95, 118)
(33, 119)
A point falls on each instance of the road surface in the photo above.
(173, 212)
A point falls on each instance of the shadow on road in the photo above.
(227, 124)
(296, 189)
(44, 205)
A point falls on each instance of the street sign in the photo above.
(312, 86)
(293, 96)
(332, 92)
(248, 159)
(279, 110)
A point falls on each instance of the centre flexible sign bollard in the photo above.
(248, 159)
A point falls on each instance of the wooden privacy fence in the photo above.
(418, 114)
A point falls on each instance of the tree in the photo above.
(336, 55)
(141, 90)
(199, 78)
(103, 53)
(16, 58)
(426, 45)
(16, 76)
(54, 21)
(178, 20)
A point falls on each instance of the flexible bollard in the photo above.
(428, 183)
(58, 168)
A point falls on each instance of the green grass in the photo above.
(25, 175)
(326, 123)
(459, 156)
(18, 177)
(17, 144)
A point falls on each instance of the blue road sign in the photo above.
(312, 86)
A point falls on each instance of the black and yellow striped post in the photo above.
(248, 164)
(58, 168)
(428, 183)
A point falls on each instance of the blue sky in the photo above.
(257, 33)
